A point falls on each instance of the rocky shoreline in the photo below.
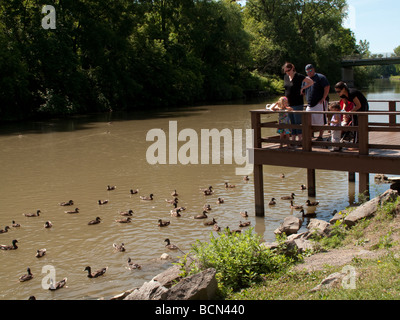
(170, 285)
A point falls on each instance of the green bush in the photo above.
(239, 259)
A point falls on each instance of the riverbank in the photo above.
(363, 262)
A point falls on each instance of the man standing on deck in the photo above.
(316, 96)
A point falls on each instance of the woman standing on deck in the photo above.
(293, 83)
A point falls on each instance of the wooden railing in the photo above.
(363, 129)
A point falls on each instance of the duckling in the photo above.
(124, 220)
(229, 185)
(9, 247)
(163, 224)
(101, 202)
(176, 212)
(110, 188)
(272, 202)
(210, 223)
(73, 211)
(246, 178)
(26, 277)
(169, 245)
(134, 191)
(5, 229)
(303, 187)
(244, 214)
(244, 224)
(291, 197)
(174, 194)
(207, 207)
(119, 248)
(295, 207)
(312, 204)
(207, 192)
(15, 225)
(220, 200)
(60, 284)
(201, 216)
(149, 198)
(40, 253)
(67, 203)
(48, 224)
(172, 201)
(126, 213)
(216, 227)
(282, 176)
(95, 221)
(95, 274)
(37, 214)
(132, 265)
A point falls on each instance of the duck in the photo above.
(220, 200)
(6, 228)
(110, 188)
(244, 224)
(126, 213)
(303, 187)
(101, 202)
(37, 214)
(175, 204)
(60, 284)
(124, 220)
(95, 274)
(73, 211)
(27, 276)
(210, 223)
(244, 214)
(134, 191)
(282, 175)
(149, 198)
(15, 225)
(201, 216)
(67, 203)
(172, 201)
(229, 185)
(174, 194)
(48, 224)
(163, 223)
(216, 227)
(132, 265)
(95, 221)
(207, 192)
(176, 213)
(272, 202)
(295, 207)
(119, 248)
(207, 207)
(40, 253)
(169, 245)
(9, 247)
(246, 178)
(311, 204)
(291, 197)
(308, 214)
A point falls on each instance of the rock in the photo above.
(289, 226)
(338, 216)
(151, 290)
(169, 276)
(200, 286)
(122, 295)
(368, 209)
(319, 226)
(303, 245)
(165, 256)
(330, 282)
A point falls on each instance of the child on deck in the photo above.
(336, 121)
(283, 118)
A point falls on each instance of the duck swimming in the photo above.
(312, 204)
(48, 224)
(73, 211)
(60, 284)
(26, 277)
(110, 188)
(220, 200)
(272, 202)
(95, 221)
(119, 248)
(169, 245)
(132, 265)
(244, 224)
(291, 197)
(124, 220)
(40, 253)
(163, 224)
(210, 223)
(95, 274)
(67, 203)
(15, 225)
(101, 202)
(5, 229)
(149, 198)
(134, 191)
(295, 207)
(176, 213)
(126, 213)
(9, 247)
(244, 214)
(229, 185)
(207, 192)
(37, 214)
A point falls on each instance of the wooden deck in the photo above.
(377, 151)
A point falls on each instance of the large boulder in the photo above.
(151, 290)
(169, 277)
(368, 209)
(320, 227)
(289, 226)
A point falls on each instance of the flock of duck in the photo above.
(176, 211)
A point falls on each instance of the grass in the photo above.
(376, 278)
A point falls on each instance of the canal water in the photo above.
(46, 163)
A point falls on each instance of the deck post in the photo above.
(352, 176)
(392, 108)
(307, 136)
(363, 183)
(311, 187)
(363, 136)
(258, 168)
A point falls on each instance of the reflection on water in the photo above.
(45, 163)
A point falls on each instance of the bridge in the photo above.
(349, 62)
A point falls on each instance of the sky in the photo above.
(377, 21)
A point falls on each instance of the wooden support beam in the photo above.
(259, 190)
(311, 186)
(363, 183)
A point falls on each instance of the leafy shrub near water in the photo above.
(239, 259)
